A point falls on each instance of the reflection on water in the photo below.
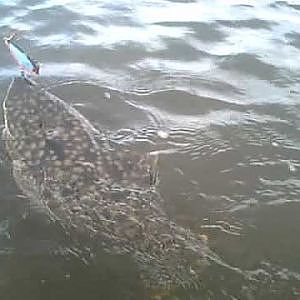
(220, 78)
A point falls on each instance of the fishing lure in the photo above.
(27, 65)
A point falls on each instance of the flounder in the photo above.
(95, 190)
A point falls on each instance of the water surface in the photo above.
(212, 85)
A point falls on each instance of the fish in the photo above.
(27, 65)
(97, 191)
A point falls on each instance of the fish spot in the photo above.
(76, 209)
(80, 184)
(75, 123)
(40, 153)
(99, 169)
(85, 145)
(57, 147)
(57, 163)
(27, 154)
(60, 174)
(33, 146)
(42, 143)
(78, 170)
(68, 162)
(74, 177)
(53, 157)
(92, 188)
(73, 132)
(78, 146)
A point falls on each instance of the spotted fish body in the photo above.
(93, 189)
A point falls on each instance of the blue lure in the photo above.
(27, 65)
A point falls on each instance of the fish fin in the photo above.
(153, 170)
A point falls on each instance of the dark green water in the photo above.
(214, 86)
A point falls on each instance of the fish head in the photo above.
(24, 141)
(22, 116)
(45, 132)
(20, 104)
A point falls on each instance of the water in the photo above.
(213, 86)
